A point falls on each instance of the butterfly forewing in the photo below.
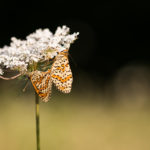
(42, 84)
(61, 74)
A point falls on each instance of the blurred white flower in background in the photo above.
(38, 46)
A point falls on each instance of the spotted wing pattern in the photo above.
(42, 83)
(61, 74)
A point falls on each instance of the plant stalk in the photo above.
(37, 121)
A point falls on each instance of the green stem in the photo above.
(37, 121)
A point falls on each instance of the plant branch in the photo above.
(11, 78)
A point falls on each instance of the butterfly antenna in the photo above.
(73, 61)
(24, 89)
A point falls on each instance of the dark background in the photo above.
(112, 33)
(109, 106)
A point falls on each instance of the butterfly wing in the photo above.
(61, 74)
(42, 84)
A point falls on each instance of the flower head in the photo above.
(39, 46)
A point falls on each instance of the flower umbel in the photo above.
(39, 46)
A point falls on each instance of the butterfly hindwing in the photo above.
(61, 74)
(42, 84)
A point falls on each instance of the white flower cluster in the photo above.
(38, 46)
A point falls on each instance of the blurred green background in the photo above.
(92, 117)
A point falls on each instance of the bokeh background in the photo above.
(108, 108)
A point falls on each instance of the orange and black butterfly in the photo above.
(42, 84)
(61, 74)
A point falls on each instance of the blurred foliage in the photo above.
(91, 117)
(69, 122)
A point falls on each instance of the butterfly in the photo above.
(61, 74)
(42, 84)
